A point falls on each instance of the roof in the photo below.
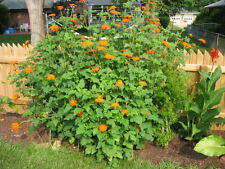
(20, 4)
(100, 2)
(216, 4)
(188, 12)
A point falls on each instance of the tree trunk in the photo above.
(35, 9)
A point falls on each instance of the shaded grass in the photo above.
(36, 157)
(21, 38)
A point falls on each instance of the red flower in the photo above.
(215, 53)
(79, 114)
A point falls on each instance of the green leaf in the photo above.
(211, 146)
(214, 78)
(215, 97)
(210, 114)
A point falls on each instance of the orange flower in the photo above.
(103, 127)
(119, 83)
(52, 14)
(150, 51)
(103, 42)
(29, 70)
(13, 62)
(109, 57)
(15, 126)
(112, 8)
(75, 29)
(118, 25)
(136, 58)
(99, 100)
(127, 55)
(82, 37)
(73, 102)
(72, 5)
(100, 48)
(92, 51)
(202, 40)
(114, 12)
(54, 28)
(125, 111)
(143, 7)
(147, 113)
(15, 97)
(79, 114)
(157, 30)
(105, 27)
(59, 8)
(69, 46)
(86, 43)
(151, 3)
(50, 77)
(95, 69)
(165, 43)
(83, 1)
(128, 16)
(186, 45)
(27, 42)
(125, 20)
(115, 105)
(73, 20)
(123, 50)
(142, 83)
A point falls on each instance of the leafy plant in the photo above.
(202, 112)
(111, 90)
(211, 146)
(7, 101)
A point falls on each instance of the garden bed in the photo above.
(179, 151)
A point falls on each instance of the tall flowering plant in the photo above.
(110, 90)
(202, 114)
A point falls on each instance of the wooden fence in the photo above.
(194, 62)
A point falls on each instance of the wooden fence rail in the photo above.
(194, 62)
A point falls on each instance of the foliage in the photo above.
(212, 16)
(7, 101)
(211, 146)
(165, 20)
(201, 114)
(4, 19)
(108, 92)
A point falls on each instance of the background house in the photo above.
(184, 18)
(18, 15)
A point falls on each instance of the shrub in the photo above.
(108, 92)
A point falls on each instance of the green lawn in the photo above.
(14, 39)
(37, 157)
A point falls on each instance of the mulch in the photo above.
(179, 150)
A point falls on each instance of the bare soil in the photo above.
(179, 150)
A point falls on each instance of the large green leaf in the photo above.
(214, 78)
(215, 97)
(210, 114)
(211, 146)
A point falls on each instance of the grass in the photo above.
(21, 38)
(35, 157)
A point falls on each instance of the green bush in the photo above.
(165, 20)
(108, 92)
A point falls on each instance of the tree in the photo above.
(35, 9)
(4, 18)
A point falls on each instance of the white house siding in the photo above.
(182, 20)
